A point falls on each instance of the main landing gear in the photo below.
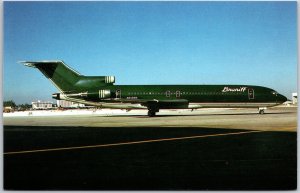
(152, 111)
(261, 110)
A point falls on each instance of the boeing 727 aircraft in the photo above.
(100, 91)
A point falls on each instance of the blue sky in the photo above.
(152, 43)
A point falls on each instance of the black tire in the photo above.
(261, 112)
(151, 113)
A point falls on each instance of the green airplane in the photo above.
(100, 91)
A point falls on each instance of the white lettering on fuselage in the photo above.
(228, 89)
(131, 97)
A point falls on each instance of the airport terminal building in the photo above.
(41, 105)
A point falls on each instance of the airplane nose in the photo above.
(281, 98)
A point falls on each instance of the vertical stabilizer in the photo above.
(61, 75)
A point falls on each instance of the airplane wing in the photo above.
(171, 103)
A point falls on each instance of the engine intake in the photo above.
(104, 94)
(109, 79)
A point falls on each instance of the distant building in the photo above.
(41, 105)
(294, 98)
(68, 104)
(8, 109)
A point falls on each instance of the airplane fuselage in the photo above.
(186, 96)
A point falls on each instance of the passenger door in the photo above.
(250, 93)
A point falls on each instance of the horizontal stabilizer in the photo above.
(45, 63)
(29, 64)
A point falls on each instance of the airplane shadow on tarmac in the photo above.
(200, 115)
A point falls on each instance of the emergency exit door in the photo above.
(118, 94)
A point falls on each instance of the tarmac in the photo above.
(207, 149)
(274, 119)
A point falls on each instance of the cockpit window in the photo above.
(274, 93)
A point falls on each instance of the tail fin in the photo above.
(61, 75)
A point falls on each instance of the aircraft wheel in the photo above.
(261, 111)
(151, 113)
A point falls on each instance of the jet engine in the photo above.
(101, 94)
(89, 82)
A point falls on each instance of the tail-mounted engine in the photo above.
(101, 94)
(90, 82)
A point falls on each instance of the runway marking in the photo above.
(128, 143)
